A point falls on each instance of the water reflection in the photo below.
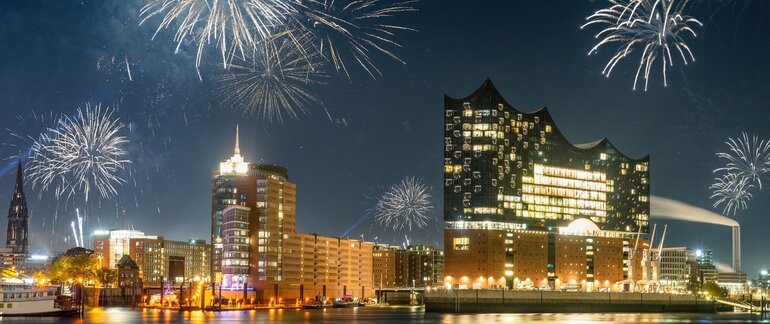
(400, 315)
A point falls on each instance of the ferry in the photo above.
(19, 299)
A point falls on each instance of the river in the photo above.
(399, 315)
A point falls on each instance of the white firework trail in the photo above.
(655, 27)
(351, 31)
(74, 233)
(748, 157)
(128, 69)
(405, 205)
(234, 27)
(732, 191)
(80, 153)
(278, 81)
(80, 226)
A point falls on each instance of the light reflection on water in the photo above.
(400, 315)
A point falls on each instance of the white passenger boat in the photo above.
(19, 299)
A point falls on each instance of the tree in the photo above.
(82, 269)
(714, 290)
(106, 276)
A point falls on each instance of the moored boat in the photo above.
(346, 301)
(19, 299)
(317, 303)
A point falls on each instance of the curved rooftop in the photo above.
(488, 89)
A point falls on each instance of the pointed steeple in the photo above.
(18, 217)
(235, 164)
(19, 180)
(237, 142)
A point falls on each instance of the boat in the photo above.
(317, 303)
(346, 301)
(20, 299)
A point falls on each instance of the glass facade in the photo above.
(502, 166)
(235, 257)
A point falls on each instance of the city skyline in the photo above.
(375, 124)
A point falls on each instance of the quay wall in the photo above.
(510, 301)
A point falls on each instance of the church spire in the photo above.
(18, 216)
(19, 179)
(237, 142)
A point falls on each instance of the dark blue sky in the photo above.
(56, 55)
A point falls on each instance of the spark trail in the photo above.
(655, 27)
(277, 82)
(233, 27)
(405, 205)
(79, 153)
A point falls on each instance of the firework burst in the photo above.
(405, 205)
(234, 27)
(353, 30)
(732, 191)
(748, 157)
(80, 153)
(655, 27)
(277, 81)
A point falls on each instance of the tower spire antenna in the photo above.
(237, 141)
(19, 178)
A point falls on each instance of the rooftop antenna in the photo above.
(237, 141)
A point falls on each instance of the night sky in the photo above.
(57, 55)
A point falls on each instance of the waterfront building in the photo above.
(17, 238)
(706, 267)
(159, 260)
(679, 271)
(421, 266)
(235, 252)
(734, 282)
(763, 281)
(385, 265)
(162, 260)
(523, 206)
(316, 265)
(271, 197)
(256, 246)
(110, 246)
(704, 256)
(129, 274)
(24, 264)
(415, 266)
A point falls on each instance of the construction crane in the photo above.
(655, 263)
(629, 284)
(646, 260)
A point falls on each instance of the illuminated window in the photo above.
(461, 243)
